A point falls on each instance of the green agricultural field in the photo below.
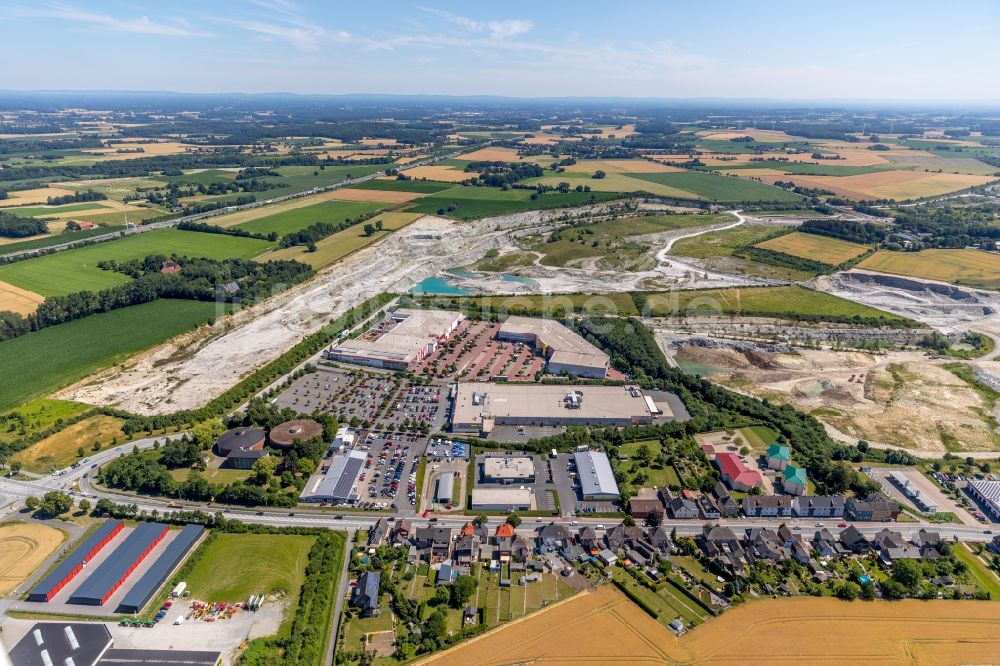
(300, 178)
(476, 202)
(40, 362)
(826, 250)
(419, 186)
(76, 270)
(791, 301)
(339, 245)
(43, 211)
(758, 438)
(719, 188)
(234, 566)
(37, 415)
(297, 219)
(613, 182)
(986, 578)
(206, 177)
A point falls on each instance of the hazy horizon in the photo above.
(878, 52)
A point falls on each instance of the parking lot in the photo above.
(927, 489)
(369, 399)
(389, 476)
(472, 354)
(542, 488)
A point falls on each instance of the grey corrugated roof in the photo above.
(594, 470)
(115, 568)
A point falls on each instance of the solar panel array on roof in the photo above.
(140, 594)
(342, 490)
(73, 564)
(113, 571)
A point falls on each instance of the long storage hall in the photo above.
(110, 575)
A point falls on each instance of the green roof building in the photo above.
(794, 480)
(778, 456)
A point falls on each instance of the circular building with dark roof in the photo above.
(285, 434)
(239, 440)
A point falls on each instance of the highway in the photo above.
(163, 224)
(77, 482)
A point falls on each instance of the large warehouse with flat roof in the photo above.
(480, 406)
(597, 480)
(565, 350)
(336, 486)
(501, 499)
(508, 469)
(399, 342)
(144, 589)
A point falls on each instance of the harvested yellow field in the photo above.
(541, 139)
(60, 450)
(442, 173)
(853, 157)
(764, 136)
(898, 185)
(598, 627)
(38, 195)
(492, 155)
(377, 196)
(376, 142)
(19, 300)
(827, 250)
(603, 627)
(148, 149)
(973, 268)
(23, 548)
(621, 166)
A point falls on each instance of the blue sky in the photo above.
(770, 49)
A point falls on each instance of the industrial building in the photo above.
(285, 434)
(565, 350)
(67, 570)
(241, 447)
(110, 575)
(597, 481)
(399, 342)
(151, 581)
(501, 499)
(445, 483)
(481, 406)
(508, 469)
(336, 485)
(988, 494)
(90, 644)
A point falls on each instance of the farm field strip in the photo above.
(23, 548)
(59, 450)
(973, 268)
(42, 361)
(823, 249)
(334, 211)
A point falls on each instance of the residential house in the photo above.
(765, 544)
(767, 506)
(607, 557)
(365, 594)
(433, 543)
(708, 509)
(400, 533)
(825, 544)
(853, 540)
(588, 538)
(520, 549)
(661, 541)
(887, 539)
(446, 574)
(728, 507)
(620, 535)
(778, 456)
(924, 539)
(682, 508)
(641, 508)
(873, 509)
(995, 544)
(552, 537)
(818, 506)
(467, 549)
(794, 480)
(379, 533)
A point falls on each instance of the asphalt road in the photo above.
(77, 483)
